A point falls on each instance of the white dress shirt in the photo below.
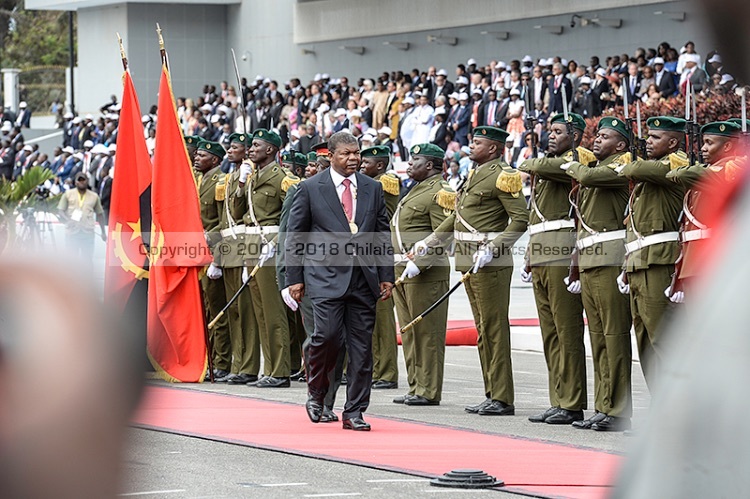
(338, 182)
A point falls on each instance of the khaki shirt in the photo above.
(80, 210)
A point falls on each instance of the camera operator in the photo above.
(78, 208)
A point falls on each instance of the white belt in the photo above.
(550, 226)
(478, 237)
(602, 237)
(662, 237)
(696, 234)
(244, 229)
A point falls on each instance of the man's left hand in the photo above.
(482, 257)
(385, 290)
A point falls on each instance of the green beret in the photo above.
(192, 140)
(615, 124)
(312, 157)
(738, 121)
(242, 138)
(433, 151)
(266, 136)
(377, 152)
(300, 159)
(286, 157)
(666, 123)
(725, 128)
(490, 132)
(576, 119)
(212, 147)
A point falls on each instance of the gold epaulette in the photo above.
(446, 197)
(289, 181)
(585, 156)
(678, 159)
(391, 183)
(734, 166)
(509, 181)
(221, 189)
(622, 159)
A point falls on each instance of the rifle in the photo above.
(697, 135)
(744, 117)
(690, 138)
(574, 272)
(530, 127)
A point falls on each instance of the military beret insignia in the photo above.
(208, 146)
(722, 127)
(614, 122)
(260, 134)
(242, 138)
(656, 122)
(416, 149)
(484, 132)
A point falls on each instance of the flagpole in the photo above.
(122, 53)
(162, 50)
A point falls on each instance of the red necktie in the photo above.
(346, 199)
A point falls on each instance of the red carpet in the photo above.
(464, 332)
(532, 467)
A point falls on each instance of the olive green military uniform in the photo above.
(384, 341)
(654, 208)
(601, 201)
(420, 212)
(550, 249)
(490, 209)
(259, 205)
(211, 197)
(245, 336)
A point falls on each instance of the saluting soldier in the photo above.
(556, 288)
(426, 278)
(258, 202)
(374, 163)
(211, 190)
(243, 328)
(720, 150)
(600, 204)
(490, 216)
(652, 242)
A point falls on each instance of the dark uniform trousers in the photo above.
(489, 295)
(385, 343)
(219, 335)
(424, 345)
(608, 314)
(561, 321)
(245, 338)
(272, 322)
(297, 338)
(648, 306)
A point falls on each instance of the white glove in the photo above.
(290, 302)
(410, 271)
(678, 297)
(245, 170)
(267, 252)
(481, 258)
(565, 166)
(525, 276)
(420, 248)
(573, 287)
(214, 272)
(245, 275)
(622, 285)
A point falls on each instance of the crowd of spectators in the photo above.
(396, 108)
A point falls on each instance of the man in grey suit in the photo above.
(338, 253)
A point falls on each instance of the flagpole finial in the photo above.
(122, 53)
(161, 39)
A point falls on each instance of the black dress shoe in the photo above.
(225, 379)
(417, 400)
(402, 399)
(474, 409)
(243, 379)
(356, 424)
(586, 423)
(218, 373)
(271, 382)
(612, 423)
(296, 376)
(497, 408)
(540, 418)
(328, 416)
(384, 385)
(314, 409)
(564, 416)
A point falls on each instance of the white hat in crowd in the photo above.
(515, 91)
(658, 60)
(385, 130)
(726, 78)
(463, 96)
(99, 149)
(88, 144)
(442, 72)
(68, 150)
(22, 105)
(408, 100)
(585, 80)
(440, 110)
(715, 58)
(340, 112)
(471, 61)
(527, 58)
(601, 72)
(453, 95)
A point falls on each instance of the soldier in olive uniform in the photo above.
(600, 204)
(297, 334)
(652, 241)
(490, 216)
(243, 328)
(312, 164)
(425, 278)
(374, 164)
(258, 202)
(191, 144)
(210, 182)
(720, 152)
(556, 288)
